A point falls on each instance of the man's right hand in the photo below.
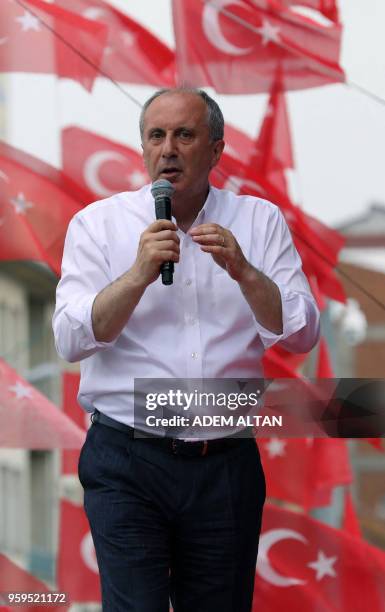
(158, 243)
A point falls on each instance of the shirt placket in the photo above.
(193, 345)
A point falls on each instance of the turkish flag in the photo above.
(324, 364)
(14, 579)
(77, 572)
(327, 7)
(275, 364)
(238, 144)
(278, 357)
(39, 37)
(71, 408)
(304, 471)
(376, 443)
(350, 521)
(132, 54)
(272, 155)
(317, 294)
(36, 204)
(101, 165)
(236, 46)
(272, 159)
(317, 244)
(306, 565)
(29, 419)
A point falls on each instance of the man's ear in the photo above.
(218, 147)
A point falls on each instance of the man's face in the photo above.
(176, 143)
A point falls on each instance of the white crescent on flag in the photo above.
(92, 167)
(213, 31)
(264, 569)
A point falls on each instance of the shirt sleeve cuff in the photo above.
(81, 321)
(293, 317)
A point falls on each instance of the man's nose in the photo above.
(169, 146)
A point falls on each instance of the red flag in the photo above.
(236, 47)
(70, 386)
(29, 419)
(78, 573)
(272, 158)
(324, 365)
(319, 298)
(36, 204)
(304, 471)
(39, 37)
(308, 566)
(238, 144)
(281, 356)
(326, 7)
(272, 155)
(133, 54)
(101, 165)
(376, 443)
(318, 249)
(14, 579)
(350, 522)
(275, 365)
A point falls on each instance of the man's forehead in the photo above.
(186, 107)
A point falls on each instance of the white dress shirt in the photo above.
(200, 326)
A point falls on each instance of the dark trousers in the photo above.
(173, 526)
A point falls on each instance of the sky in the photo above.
(338, 133)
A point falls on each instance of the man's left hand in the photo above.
(223, 247)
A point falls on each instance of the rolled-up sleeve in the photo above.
(300, 314)
(85, 272)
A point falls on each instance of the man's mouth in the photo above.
(170, 172)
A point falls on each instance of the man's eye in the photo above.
(156, 135)
(185, 134)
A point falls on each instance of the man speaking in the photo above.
(172, 517)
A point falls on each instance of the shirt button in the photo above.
(188, 282)
(194, 355)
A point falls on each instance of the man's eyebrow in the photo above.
(185, 127)
(154, 129)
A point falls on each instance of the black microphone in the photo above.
(162, 191)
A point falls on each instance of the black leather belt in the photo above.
(196, 448)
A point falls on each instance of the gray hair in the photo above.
(215, 119)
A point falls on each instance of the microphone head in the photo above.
(162, 188)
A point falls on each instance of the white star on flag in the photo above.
(20, 204)
(137, 178)
(21, 390)
(269, 32)
(323, 565)
(28, 22)
(275, 447)
(128, 38)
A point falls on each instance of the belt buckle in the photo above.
(181, 447)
